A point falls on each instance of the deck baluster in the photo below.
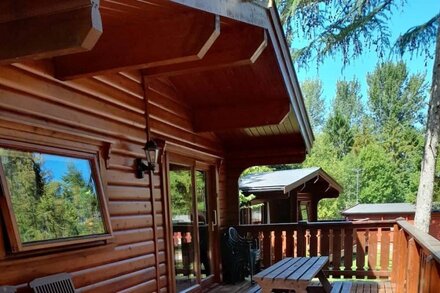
(278, 246)
(360, 251)
(324, 243)
(289, 242)
(267, 256)
(372, 249)
(385, 249)
(313, 241)
(348, 251)
(336, 261)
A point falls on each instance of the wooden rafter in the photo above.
(217, 118)
(47, 28)
(238, 44)
(136, 46)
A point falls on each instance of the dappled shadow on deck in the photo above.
(357, 286)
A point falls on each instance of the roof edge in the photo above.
(263, 13)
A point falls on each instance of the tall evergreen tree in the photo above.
(348, 101)
(312, 92)
(340, 134)
(395, 96)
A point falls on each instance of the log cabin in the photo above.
(84, 85)
(286, 196)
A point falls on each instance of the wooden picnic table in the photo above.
(293, 273)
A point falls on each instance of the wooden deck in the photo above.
(356, 287)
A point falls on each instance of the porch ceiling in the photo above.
(231, 68)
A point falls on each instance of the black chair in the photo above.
(240, 257)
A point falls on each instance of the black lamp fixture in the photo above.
(152, 153)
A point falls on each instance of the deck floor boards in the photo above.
(357, 286)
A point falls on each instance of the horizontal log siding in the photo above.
(83, 114)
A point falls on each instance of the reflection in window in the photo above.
(182, 214)
(53, 197)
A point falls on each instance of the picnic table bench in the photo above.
(293, 273)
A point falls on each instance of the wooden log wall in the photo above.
(92, 114)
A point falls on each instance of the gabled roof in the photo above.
(285, 180)
(381, 208)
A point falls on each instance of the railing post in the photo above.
(336, 253)
(324, 240)
(395, 258)
(301, 239)
(360, 252)
(372, 249)
(402, 251)
(267, 255)
(385, 249)
(430, 281)
(413, 272)
(348, 251)
(289, 242)
(278, 246)
(313, 241)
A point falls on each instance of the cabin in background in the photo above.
(390, 211)
(84, 85)
(286, 196)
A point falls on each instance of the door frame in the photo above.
(210, 166)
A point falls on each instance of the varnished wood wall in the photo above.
(90, 114)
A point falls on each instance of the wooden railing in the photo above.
(416, 266)
(355, 249)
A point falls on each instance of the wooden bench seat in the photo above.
(337, 287)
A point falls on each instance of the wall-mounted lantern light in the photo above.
(152, 153)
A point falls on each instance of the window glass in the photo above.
(52, 196)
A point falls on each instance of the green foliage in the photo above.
(395, 95)
(257, 169)
(348, 102)
(315, 105)
(374, 151)
(419, 39)
(348, 27)
(246, 201)
(340, 134)
(180, 191)
(337, 26)
(46, 208)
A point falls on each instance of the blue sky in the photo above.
(57, 165)
(413, 13)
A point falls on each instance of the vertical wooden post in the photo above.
(413, 272)
(360, 250)
(395, 257)
(267, 256)
(289, 242)
(278, 246)
(301, 239)
(385, 249)
(337, 249)
(348, 251)
(402, 252)
(313, 241)
(372, 249)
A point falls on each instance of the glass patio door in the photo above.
(190, 218)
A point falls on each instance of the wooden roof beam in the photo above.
(218, 118)
(150, 44)
(239, 44)
(245, 11)
(47, 28)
